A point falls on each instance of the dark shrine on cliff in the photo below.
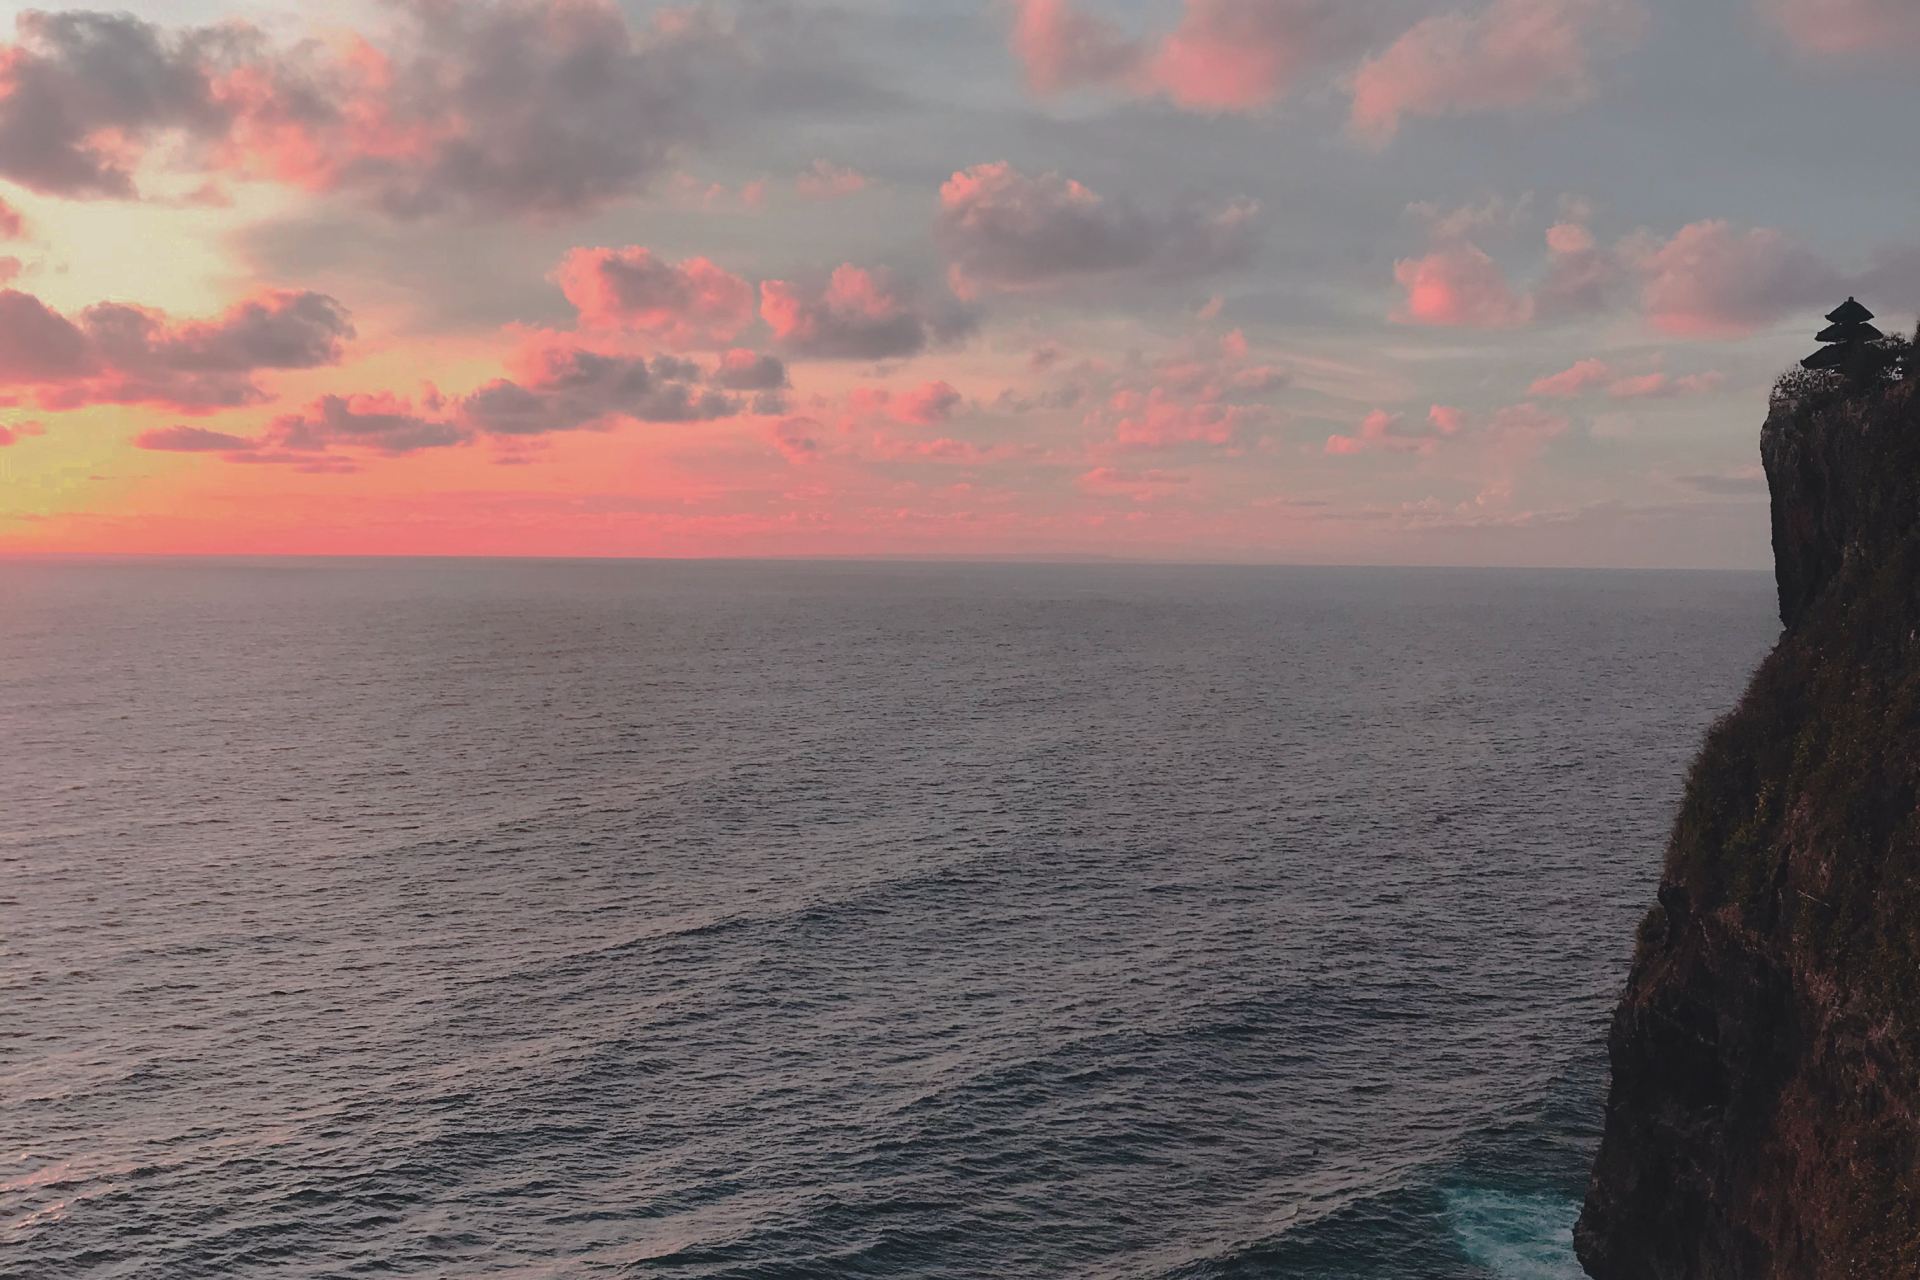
(1849, 337)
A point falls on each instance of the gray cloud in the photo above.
(495, 107)
(857, 314)
(563, 388)
(384, 423)
(117, 354)
(1004, 229)
(39, 345)
(185, 439)
(577, 388)
(742, 370)
(71, 77)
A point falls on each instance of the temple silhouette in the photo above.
(1849, 337)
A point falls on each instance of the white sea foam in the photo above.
(1515, 1236)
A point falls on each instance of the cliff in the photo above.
(1764, 1119)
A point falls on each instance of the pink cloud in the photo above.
(1581, 276)
(1528, 421)
(1512, 54)
(1445, 224)
(1711, 280)
(695, 193)
(1849, 26)
(824, 180)
(1581, 378)
(1207, 394)
(1139, 486)
(1498, 445)
(1226, 370)
(684, 305)
(1161, 419)
(946, 450)
(1456, 284)
(1517, 434)
(1238, 55)
(1645, 386)
(1063, 47)
(922, 406)
(1384, 432)
(798, 440)
(1593, 375)
(1660, 386)
(1569, 238)
(1708, 280)
(859, 314)
(1223, 55)
(1007, 230)
(185, 439)
(1459, 286)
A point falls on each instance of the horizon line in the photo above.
(1038, 559)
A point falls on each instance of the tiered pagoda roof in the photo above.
(1849, 331)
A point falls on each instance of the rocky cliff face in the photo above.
(1764, 1120)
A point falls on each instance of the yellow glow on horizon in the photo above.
(169, 257)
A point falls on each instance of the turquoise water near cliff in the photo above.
(550, 920)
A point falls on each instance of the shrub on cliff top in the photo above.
(1886, 360)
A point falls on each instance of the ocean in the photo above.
(506, 919)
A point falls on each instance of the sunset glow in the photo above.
(1271, 280)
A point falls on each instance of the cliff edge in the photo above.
(1764, 1119)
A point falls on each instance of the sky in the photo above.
(1305, 281)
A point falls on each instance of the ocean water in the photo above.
(793, 920)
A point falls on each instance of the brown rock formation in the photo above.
(1764, 1120)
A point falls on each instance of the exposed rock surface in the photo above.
(1764, 1120)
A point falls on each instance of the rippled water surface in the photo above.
(490, 920)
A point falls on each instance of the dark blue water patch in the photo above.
(1451, 1231)
(1501, 1208)
(748, 921)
